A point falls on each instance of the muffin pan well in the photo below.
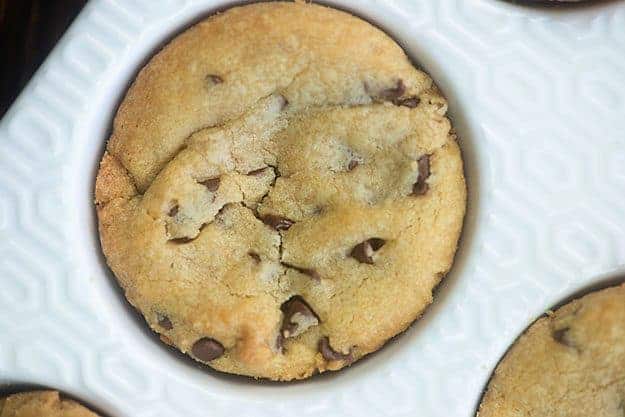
(568, 361)
(542, 134)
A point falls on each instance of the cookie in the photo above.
(281, 191)
(569, 363)
(41, 404)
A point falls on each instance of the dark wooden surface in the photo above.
(28, 31)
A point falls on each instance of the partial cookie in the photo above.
(281, 192)
(41, 404)
(570, 363)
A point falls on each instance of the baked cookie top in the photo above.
(570, 363)
(41, 404)
(281, 190)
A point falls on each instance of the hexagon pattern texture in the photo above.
(537, 95)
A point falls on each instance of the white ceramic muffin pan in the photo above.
(537, 95)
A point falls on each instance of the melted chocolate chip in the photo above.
(298, 317)
(421, 187)
(284, 103)
(280, 342)
(330, 354)
(393, 93)
(254, 256)
(376, 243)
(277, 222)
(207, 349)
(352, 164)
(173, 210)
(164, 322)
(563, 337)
(181, 240)
(410, 102)
(363, 252)
(310, 272)
(214, 79)
(212, 184)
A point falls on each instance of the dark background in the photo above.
(28, 31)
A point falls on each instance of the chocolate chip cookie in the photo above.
(570, 363)
(281, 191)
(41, 404)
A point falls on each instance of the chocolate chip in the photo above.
(393, 93)
(164, 322)
(363, 252)
(181, 240)
(207, 349)
(376, 243)
(410, 102)
(330, 354)
(257, 171)
(352, 164)
(284, 102)
(280, 342)
(563, 337)
(298, 317)
(214, 79)
(173, 210)
(254, 256)
(212, 184)
(277, 222)
(310, 272)
(421, 187)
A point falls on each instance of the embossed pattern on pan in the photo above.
(540, 120)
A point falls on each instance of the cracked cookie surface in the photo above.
(570, 363)
(41, 404)
(281, 191)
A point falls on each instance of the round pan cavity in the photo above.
(168, 322)
(556, 332)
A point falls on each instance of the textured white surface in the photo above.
(537, 96)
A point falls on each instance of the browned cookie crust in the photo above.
(570, 363)
(281, 191)
(41, 404)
